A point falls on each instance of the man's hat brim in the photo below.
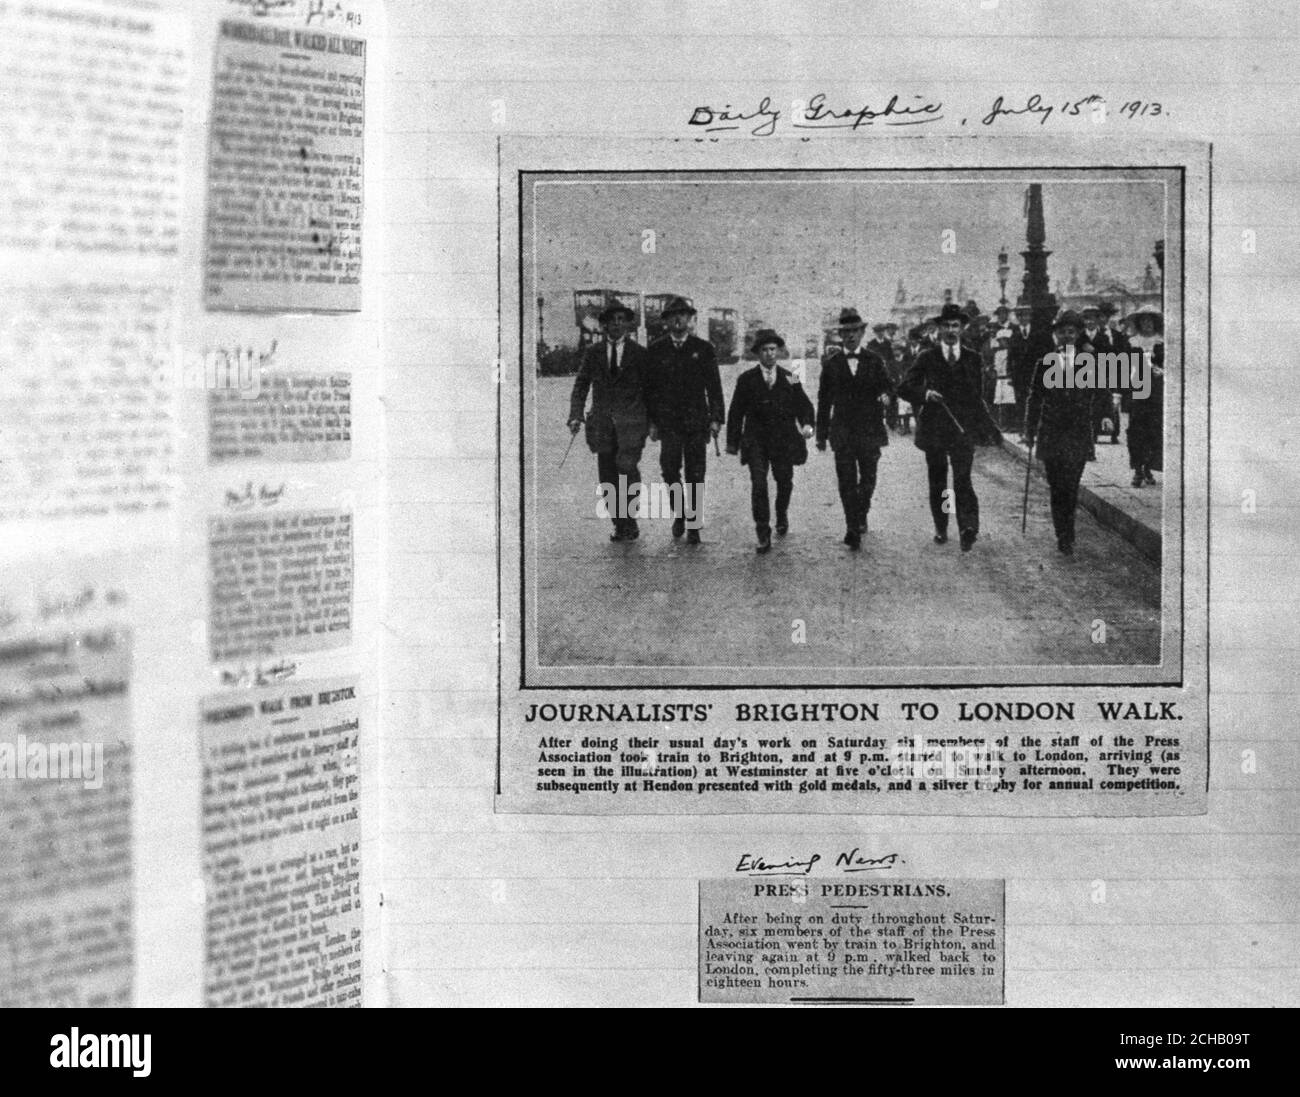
(608, 314)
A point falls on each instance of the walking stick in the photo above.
(956, 424)
(716, 451)
(572, 438)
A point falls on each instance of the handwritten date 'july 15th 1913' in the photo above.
(764, 119)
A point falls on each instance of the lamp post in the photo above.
(1004, 270)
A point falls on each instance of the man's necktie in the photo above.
(613, 359)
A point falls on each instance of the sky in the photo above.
(788, 248)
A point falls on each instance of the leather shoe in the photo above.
(679, 526)
(782, 526)
(764, 543)
(692, 536)
(618, 535)
(1065, 546)
(940, 537)
(853, 539)
(967, 539)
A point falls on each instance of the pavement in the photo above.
(812, 602)
(1108, 494)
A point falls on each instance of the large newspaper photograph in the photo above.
(894, 473)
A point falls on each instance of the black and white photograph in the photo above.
(859, 426)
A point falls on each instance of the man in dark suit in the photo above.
(1028, 345)
(770, 419)
(943, 384)
(882, 346)
(1060, 420)
(1104, 341)
(853, 389)
(615, 370)
(686, 406)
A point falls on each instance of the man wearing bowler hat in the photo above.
(943, 385)
(615, 370)
(771, 417)
(1061, 419)
(686, 404)
(853, 389)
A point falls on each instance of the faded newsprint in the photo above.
(891, 502)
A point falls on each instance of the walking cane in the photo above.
(952, 417)
(572, 438)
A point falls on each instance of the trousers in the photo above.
(783, 474)
(683, 452)
(855, 470)
(967, 505)
(1063, 476)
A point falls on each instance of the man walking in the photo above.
(686, 405)
(1060, 419)
(769, 421)
(853, 390)
(1103, 341)
(615, 371)
(943, 384)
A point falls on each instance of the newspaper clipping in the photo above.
(853, 488)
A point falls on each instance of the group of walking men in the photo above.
(671, 392)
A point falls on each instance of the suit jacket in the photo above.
(882, 349)
(767, 420)
(685, 387)
(1027, 354)
(959, 384)
(619, 416)
(1061, 421)
(849, 414)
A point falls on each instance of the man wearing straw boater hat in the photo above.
(853, 388)
(686, 405)
(615, 371)
(943, 385)
(769, 422)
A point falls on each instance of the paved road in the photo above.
(900, 601)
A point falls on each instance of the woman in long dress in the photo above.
(1146, 414)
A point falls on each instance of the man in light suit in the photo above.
(768, 424)
(615, 370)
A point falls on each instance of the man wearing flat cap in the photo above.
(851, 395)
(769, 422)
(686, 404)
(943, 385)
(1059, 423)
(615, 371)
